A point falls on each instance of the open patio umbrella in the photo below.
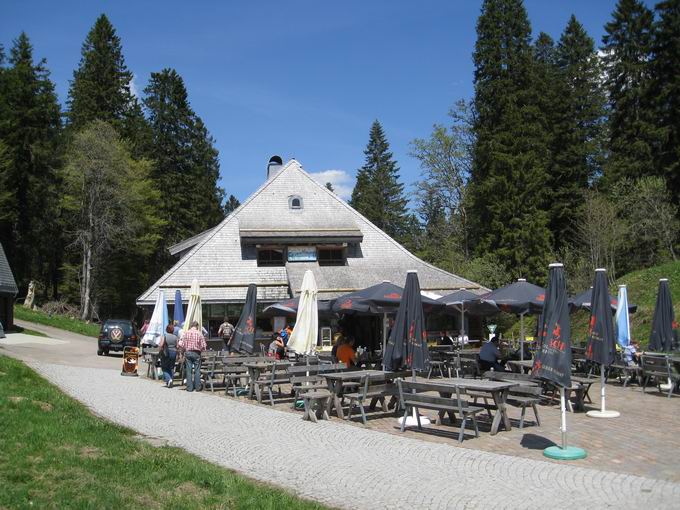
(407, 345)
(601, 343)
(583, 301)
(194, 309)
(158, 322)
(463, 301)
(520, 297)
(664, 336)
(178, 314)
(553, 360)
(305, 333)
(622, 319)
(290, 307)
(244, 332)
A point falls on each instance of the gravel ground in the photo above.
(345, 466)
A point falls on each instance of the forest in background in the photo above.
(568, 151)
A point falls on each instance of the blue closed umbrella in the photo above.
(178, 315)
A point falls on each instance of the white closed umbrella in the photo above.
(304, 335)
(194, 310)
(159, 320)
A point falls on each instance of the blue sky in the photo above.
(301, 79)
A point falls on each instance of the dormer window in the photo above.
(295, 202)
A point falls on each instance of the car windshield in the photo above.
(125, 326)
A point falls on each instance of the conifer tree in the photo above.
(577, 120)
(100, 89)
(665, 92)
(508, 178)
(231, 205)
(30, 133)
(378, 194)
(186, 163)
(632, 134)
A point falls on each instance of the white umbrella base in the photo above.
(603, 414)
(412, 421)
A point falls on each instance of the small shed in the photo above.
(8, 291)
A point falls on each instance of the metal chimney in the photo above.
(274, 165)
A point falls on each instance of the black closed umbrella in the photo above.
(601, 339)
(244, 333)
(407, 345)
(664, 336)
(583, 301)
(553, 359)
(520, 297)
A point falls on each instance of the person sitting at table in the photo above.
(281, 342)
(338, 339)
(346, 353)
(489, 355)
(631, 355)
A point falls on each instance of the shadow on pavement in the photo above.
(534, 442)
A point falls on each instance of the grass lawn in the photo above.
(55, 454)
(56, 321)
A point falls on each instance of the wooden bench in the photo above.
(316, 401)
(410, 399)
(275, 377)
(373, 391)
(528, 393)
(661, 369)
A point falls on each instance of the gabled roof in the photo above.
(224, 265)
(7, 284)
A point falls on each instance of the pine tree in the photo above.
(30, 134)
(508, 178)
(329, 187)
(665, 92)
(577, 120)
(100, 89)
(231, 205)
(186, 162)
(378, 194)
(627, 50)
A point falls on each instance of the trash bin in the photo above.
(130, 361)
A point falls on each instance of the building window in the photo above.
(331, 256)
(270, 257)
(295, 202)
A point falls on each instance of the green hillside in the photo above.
(642, 289)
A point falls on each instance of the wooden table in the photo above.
(523, 367)
(497, 389)
(338, 380)
(154, 353)
(256, 368)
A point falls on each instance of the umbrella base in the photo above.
(412, 421)
(568, 453)
(603, 414)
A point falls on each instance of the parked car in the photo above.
(115, 335)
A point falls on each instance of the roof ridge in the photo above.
(380, 231)
(217, 228)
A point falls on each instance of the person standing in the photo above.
(226, 331)
(168, 350)
(192, 344)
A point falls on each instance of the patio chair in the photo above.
(661, 369)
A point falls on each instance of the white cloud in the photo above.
(343, 182)
(133, 86)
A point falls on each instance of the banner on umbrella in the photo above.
(553, 359)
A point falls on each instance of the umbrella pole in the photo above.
(564, 452)
(521, 336)
(462, 323)
(384, 339)
(603, 413)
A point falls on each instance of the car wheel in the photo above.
(106, 353)
(99, 352)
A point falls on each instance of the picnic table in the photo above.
(522, 367)
(151, 356)
(255, 368)
(337, 381)
(498, 390)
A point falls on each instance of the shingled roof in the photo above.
(224, 263)
(8, 286)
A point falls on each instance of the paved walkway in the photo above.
(347, 466)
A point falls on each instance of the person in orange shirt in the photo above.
(346, 353)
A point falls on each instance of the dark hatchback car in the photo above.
(115, 335)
